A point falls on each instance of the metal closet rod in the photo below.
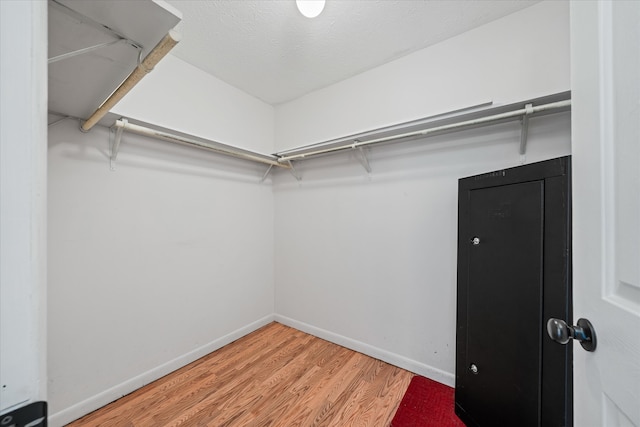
(192, 142)
(437, 129)
(284, 160)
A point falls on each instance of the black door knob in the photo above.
(562, 333)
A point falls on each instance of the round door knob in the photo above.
(562, 333)
(558, 331)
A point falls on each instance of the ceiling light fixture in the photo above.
(310, 8)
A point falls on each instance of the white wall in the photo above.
(370, 262)
(181, 97)
(152, 265)
(23, 85)
(524, 55)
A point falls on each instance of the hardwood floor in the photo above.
(276, 376)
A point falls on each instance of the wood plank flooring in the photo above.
(275, 376)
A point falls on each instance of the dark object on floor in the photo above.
(426, 403)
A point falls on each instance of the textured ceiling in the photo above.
(269, 50)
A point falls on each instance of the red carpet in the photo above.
(426, 404)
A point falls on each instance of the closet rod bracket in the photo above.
(115, 146)
(293, 171)
(364, 160)
(525, 128)
(266, 174)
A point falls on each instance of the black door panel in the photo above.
(513, 270)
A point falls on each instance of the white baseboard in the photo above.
(386, 356)
(99, 400)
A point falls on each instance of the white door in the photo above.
(605, 61)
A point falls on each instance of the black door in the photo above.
(513, 273)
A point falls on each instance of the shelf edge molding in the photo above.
(457, 123)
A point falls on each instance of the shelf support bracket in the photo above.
(525, 129)
(116, 144)
(81, 51)
(364, 159)
(293, 171)
(266, 174)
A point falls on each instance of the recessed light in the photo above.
(310, 8)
